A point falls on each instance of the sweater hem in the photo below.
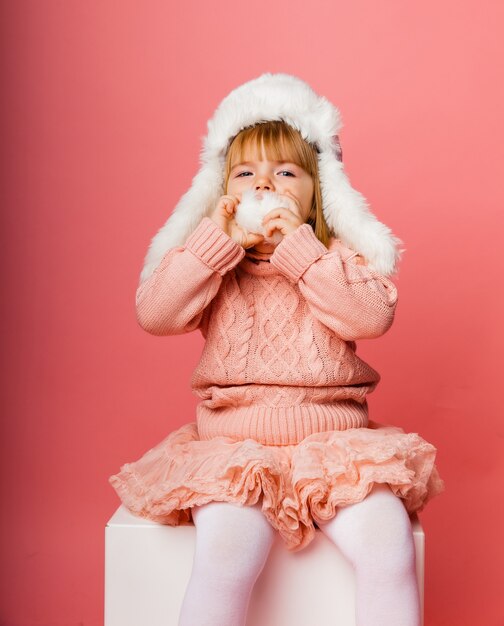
(279, 426)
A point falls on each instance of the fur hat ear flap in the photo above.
(198, 201)
(347, 214)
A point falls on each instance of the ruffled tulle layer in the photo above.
(298, 485)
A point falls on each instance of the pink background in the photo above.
(103, 108)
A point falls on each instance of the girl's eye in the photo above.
(282, 172)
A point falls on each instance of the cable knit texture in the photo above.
(279, 363)
(283, 412)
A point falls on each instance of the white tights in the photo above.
(233, 543)
(375, 535)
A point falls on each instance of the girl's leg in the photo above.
(232, 545)
(375, 535)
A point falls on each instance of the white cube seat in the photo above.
(148, 565)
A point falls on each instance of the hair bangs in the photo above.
(277, 141)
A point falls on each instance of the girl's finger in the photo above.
(279, 212)
(229, 205)
(277, 223)
(253, 239)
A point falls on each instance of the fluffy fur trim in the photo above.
(275, 97)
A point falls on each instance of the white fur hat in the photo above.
(280, 97)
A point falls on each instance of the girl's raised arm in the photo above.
(351, 299)
(173, 300)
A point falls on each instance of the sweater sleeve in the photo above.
(351, 299)
(173, 300)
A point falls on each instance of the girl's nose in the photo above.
(264, 184)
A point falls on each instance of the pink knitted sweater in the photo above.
(279, 359)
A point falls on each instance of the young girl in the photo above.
(282, 442)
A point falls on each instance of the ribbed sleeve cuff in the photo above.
(216, 249)
(297, 251)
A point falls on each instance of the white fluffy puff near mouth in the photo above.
(252, 208)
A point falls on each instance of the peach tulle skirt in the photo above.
(298, 485)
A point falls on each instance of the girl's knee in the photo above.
(241, 523)
(375, 533)
(232, 541)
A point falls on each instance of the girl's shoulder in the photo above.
(346, 253)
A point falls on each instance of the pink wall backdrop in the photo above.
(103, 108)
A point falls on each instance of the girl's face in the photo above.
(255, 172)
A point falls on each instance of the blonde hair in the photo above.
(282, 142)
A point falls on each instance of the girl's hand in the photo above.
(282, 219)
(223, 216)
